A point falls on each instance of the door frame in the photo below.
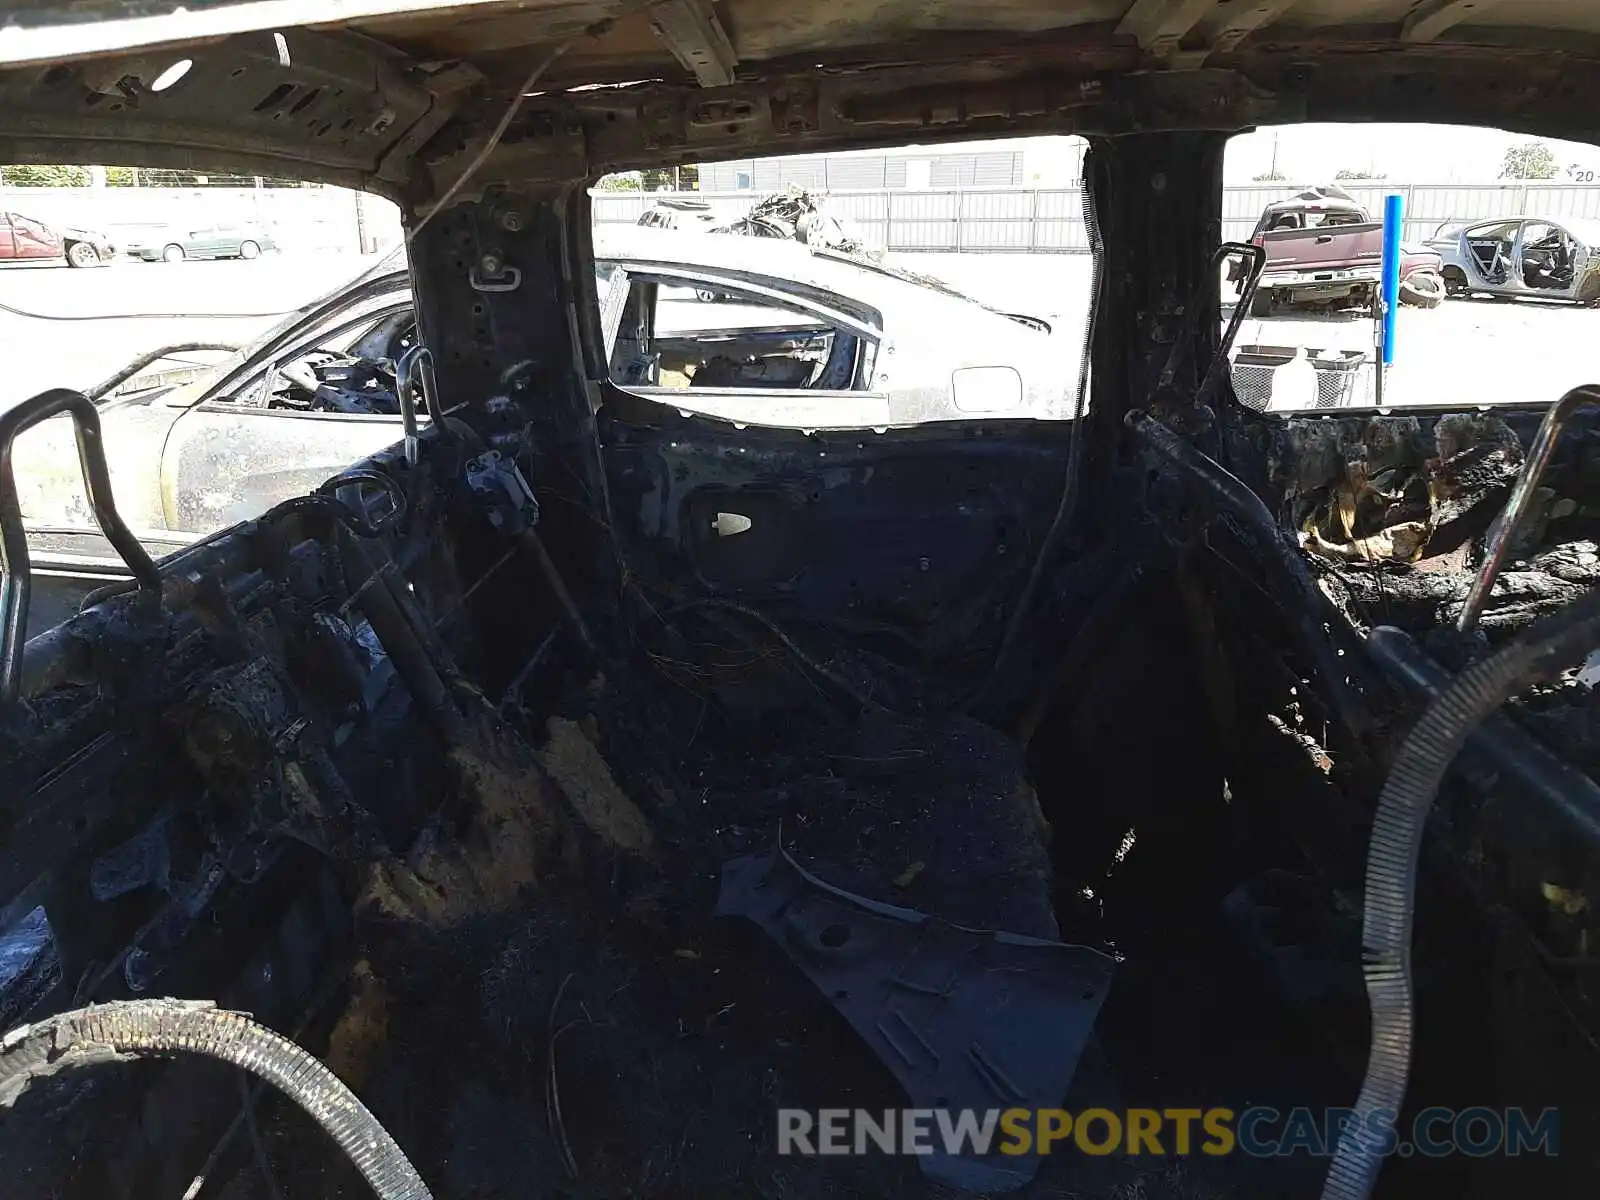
(1481, 282)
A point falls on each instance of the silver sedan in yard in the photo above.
(214, 241)
(795, 337)
(1553, 258)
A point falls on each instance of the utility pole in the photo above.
(1273, 170)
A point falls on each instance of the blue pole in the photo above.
(1393, 220)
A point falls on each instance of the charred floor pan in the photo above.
(624, 1039)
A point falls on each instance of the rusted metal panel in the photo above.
(691, 30)
(1433, 17)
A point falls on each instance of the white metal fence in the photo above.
(1037, 220)
(1018, 220)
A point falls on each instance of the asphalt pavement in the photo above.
(91, 322)
(1464, 352)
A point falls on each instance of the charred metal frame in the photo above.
(366, 118)
(15, 572)
(1499, 541)
(505, 298)
(415, 370)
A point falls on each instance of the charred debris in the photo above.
(577, 837)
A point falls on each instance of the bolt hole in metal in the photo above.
(275, 97)
(834, 936)
(171, 75)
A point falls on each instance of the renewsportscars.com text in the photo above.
(1258, 1131)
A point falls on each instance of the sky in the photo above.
(1312, 153)
(1404, 153)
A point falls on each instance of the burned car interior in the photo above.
(361, 379)
(1547, 257)
(540, 804)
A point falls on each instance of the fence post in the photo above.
(960, 217)
(1033, 221)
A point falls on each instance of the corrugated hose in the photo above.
(132, 1029)
(1539, 652)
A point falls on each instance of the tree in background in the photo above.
(1529, 160)
(1357, 173)
(153, 177)
(1273, 176)
(163, 178)
(671, 179)
(47, 176)
(623, 181)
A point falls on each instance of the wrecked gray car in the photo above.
(586, 795)
(1552, 258)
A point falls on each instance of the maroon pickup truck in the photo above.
(1325, 252)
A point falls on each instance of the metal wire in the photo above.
(539, 68)
(1068, 503)
(145, 316)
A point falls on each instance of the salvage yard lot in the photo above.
(1466, 351)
